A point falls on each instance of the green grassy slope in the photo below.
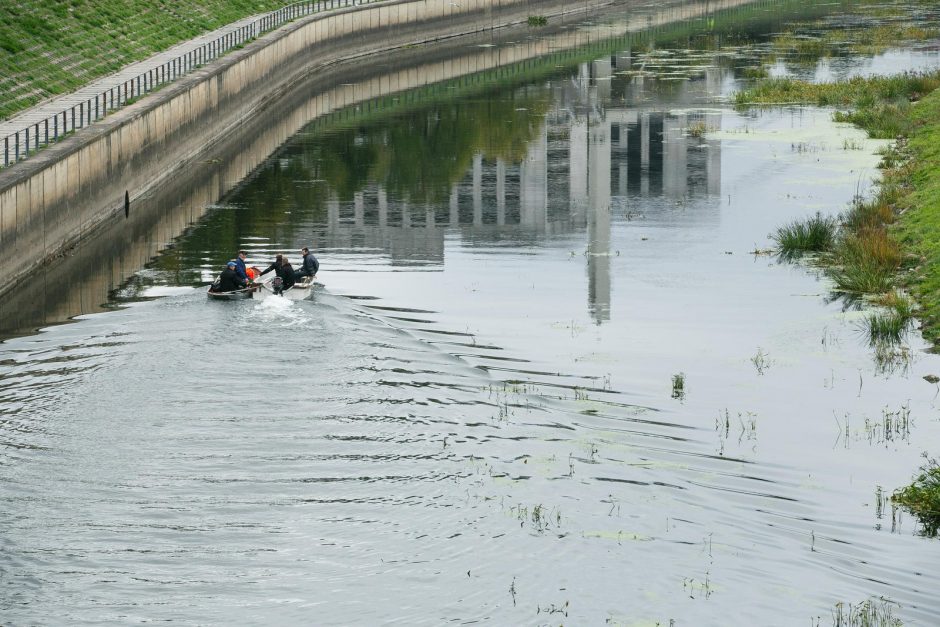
(51, 47)
(919, 225)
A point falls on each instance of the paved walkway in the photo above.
(58, 104)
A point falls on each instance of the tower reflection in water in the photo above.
(610, 142)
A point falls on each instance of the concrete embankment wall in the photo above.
(51, 201)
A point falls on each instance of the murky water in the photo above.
(479, 418)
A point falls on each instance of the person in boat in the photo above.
(284, 272)
(309, 267)
(229, 281)
(240, 268)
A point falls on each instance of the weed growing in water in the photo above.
(537, 20)
(889, 327)
(539, 517)
(697, 129)
(678, 386)
(869, 613)
(814, 234)
(922, 497)
(892, 426)
(761, 361)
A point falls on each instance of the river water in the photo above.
(551, 378)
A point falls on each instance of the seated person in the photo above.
(309, 267)
(283, 270)
(229, 281)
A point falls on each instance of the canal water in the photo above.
(552, 375)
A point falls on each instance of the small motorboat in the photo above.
(241, 294)
(301, 290)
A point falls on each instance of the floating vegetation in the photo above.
(922, 497)
(869, 613)
(814, 234)
(678, 386)
(537, 20)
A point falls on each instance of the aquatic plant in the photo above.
(537, 20)
(922, 497)
(697, 129)
(814, 234)
(760, 361)
(890, 325)
(678, 385)
(869, 613)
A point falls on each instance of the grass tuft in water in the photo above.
(537, 20)
(870, 613)
(678, 385)
(922, 497)
(814, 234)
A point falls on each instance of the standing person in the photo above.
(284, 272)
(240, 269)
(309, 267)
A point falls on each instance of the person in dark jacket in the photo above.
(283, 270)
(240, 268)
(229, 281)
(309, 267)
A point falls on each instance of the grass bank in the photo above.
(51, 48)
(890, 242)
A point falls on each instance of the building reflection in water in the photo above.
(609, 139)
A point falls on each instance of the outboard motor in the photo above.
(278, 286)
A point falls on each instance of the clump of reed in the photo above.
(868, 613)
(922, 497)
(889, 325)
(815, 234)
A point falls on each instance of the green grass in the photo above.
(869, 613)
(814, 234)
(881, 105)
(49, 48)
(893, 239)
(922, 497)
(918, 225)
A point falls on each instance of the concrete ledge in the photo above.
(54, 199)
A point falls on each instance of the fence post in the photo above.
(46, 121)
(55, 127)
(16, 147)
(26, 152)
(6, 151)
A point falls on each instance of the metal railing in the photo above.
(21, 144)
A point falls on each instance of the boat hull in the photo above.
(236, 295)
